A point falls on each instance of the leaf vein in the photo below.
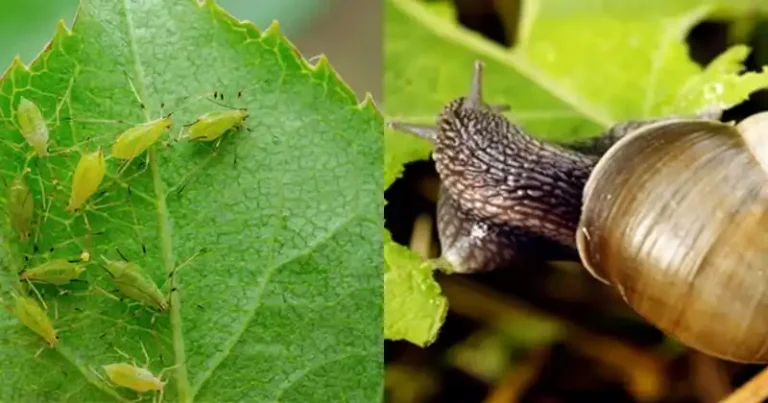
(227, 351)
(298, 375)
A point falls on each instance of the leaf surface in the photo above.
(414, 308)
(276, 254)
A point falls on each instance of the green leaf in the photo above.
(644, 69)
(414, 308)
(402, 149)
(280, 298)
(579, 68)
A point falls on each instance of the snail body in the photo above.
(672, 213)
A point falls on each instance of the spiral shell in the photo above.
(675, 217)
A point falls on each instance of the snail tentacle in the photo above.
(423, 131)
(522, 194)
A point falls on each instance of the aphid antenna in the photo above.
(141, 102)
(220, 104)
(105, 268)
(239, 94)
(133, 89)
(121, 255)
(101, 378)
(73, 240)
(103, 291)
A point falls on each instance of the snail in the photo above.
(671, 212)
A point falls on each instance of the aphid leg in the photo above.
(178, 268)
(40, 297)
(124, 165)
(136, 225)
(234, 160)
(216, 145)
(424, 131)
(133, 89)
(178, 188)
(88, 239)
(46, 214)
(106, 382)
(146, 356)
(234, 142)
(143, 166)
(133, 361)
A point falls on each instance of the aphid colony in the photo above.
(128, 145)
(130, 280)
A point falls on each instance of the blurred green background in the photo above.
(347, 31)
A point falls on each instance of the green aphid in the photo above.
(33, 317)
(137, 139)
(135, 284)
(20, 207)
(33, 126)
(56, 271)
(213, 125)
(88, 175)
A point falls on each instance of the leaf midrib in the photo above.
(166, 247)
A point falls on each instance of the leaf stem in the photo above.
(182, 378)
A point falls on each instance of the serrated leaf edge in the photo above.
(321, 69)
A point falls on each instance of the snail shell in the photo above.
(675, 217)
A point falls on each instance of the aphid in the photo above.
(138, 139)
(213, 125)
(33, 317)
(33, 126)
(20, 207)
(133, 377)
(56, 271)
(136, 378)
(88, 176)
(134, 283)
